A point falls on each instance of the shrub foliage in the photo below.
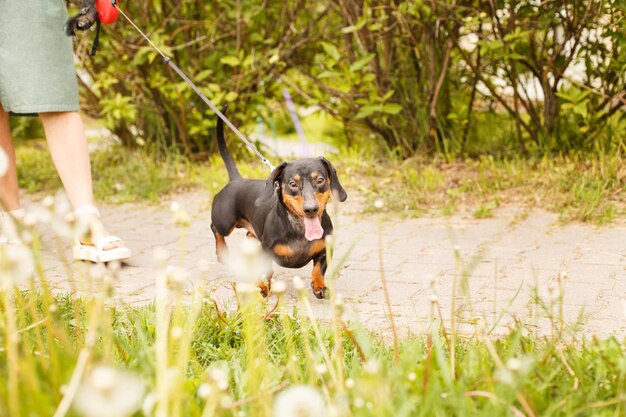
(417, 76)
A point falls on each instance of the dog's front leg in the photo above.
(265, 285)
(319, 269)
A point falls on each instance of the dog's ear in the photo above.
(335, 186)
(268, 191)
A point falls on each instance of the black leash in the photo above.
(204, 98)
(96, 41)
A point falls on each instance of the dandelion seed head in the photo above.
(411, 376)
(17, 265)
(371, 366)
(177, 332)
(339, 301)
(349, 383)
(148, 404)
(279, 287)
(108, 392)
(219, 374)
(514, 364)
(298, 283)
(320, 369)
(300, 401)
(176, 276)
(38, 214)
(226, 401)
(247, 262)
(330, 241)
(48, 201)
(205, 390)
(378, 204)
(505, 376)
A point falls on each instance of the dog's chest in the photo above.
(297, 253)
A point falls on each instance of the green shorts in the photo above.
(37, 72)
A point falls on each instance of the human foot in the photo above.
(96, 244)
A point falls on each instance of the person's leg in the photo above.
(68, 148)
(9, 192)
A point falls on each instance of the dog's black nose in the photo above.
(311, 210)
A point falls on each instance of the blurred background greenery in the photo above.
(459, 78)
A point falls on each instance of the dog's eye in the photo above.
(321, 180)
(293, 184)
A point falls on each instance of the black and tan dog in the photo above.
(286, 213)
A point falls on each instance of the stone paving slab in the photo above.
(506, 261)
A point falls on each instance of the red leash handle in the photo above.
(107, 11)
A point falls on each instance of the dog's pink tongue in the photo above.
(313, 228)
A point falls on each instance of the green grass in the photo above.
(516, 374)
(591, 189)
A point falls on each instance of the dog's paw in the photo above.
(264, 290)
(320, 293)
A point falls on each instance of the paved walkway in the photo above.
(506, 262)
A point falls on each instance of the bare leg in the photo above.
(68, 148)
(9, 193)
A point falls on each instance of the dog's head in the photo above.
(304, 187)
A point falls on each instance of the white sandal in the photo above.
(96, 252)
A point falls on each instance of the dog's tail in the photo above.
(233, 172)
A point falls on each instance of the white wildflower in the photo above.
(16, 265)
(378, 204)
(371, 366)
(175, 276)
(248, 263)
(514, 364)
(181, 218)
(205, 390)
(226, 401)
(412, 376)
(37, 214)
(148, 404)
(108, 392)
(219, 374)
(48, 201)
(62, 205)
(349, 383)
(298, 283)
(279, 287)
(177, 332)
(320, 369)
(300, 401)
(339, 302)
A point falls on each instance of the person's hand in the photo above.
(87, 16)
